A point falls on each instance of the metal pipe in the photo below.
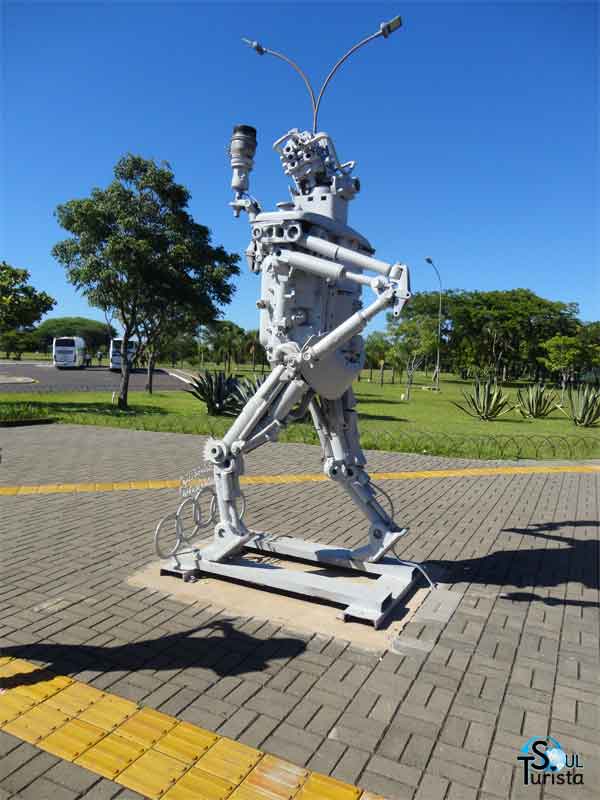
(336, 252)
(312, 264)
(262, 50)
(430, 260)
(323, 268)
(384, 30)
(351, 326)
(252, 406)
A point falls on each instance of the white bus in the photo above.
(68, 351)
(116, 345)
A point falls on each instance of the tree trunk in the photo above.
(393, 375)
(150, 372)
(125, 370)
(381, 370)
(254, 359)
(371, 375)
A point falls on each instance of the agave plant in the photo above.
(246, 389)
(535, 402)
(584, 407)
(218, 391)
(487, 402)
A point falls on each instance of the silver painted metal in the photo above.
(312, 267)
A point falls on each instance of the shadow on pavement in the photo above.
(224, 650)
(577, 561)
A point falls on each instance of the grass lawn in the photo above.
(429, 422)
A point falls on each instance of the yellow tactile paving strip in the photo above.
(253, 480)
(147, 751)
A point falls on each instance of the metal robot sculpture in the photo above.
(313, 268)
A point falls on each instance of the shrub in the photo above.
(535, 402)
(245, 390)
(487, 402)
(584, 407)
(218, 391)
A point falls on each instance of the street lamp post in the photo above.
(439, 336)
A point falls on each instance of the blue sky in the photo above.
(473, 127)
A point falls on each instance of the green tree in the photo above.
(412, 340)
(500, 333)
(254, 349)
(376, 351)
(134, 248)
(563, 354)
(497, 333)
(589, 338)
(183, 346)
(96, 334)
(226, 341)
(21, 306)
(17, 342)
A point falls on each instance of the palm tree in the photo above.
(253, 347)
(226, 342)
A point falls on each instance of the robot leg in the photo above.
(265, 414)
(344, 462)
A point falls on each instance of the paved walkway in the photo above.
(507, 650)
(16, 376)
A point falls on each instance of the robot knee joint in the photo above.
(216, 452)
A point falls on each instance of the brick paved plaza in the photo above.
(507, 649)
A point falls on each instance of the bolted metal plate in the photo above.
(44, 688)
(11, 705)
(111, 755)
(76, 698)
(272, 778)
(73, 739)
(320, 787)
(199, 785)
(109, 712)
(152, 774)
(146, 726)
(186, 742)
(36, 723)
(230, 760)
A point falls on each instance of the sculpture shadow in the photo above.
(529, 569)
(225, 650)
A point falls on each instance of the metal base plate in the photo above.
(373, 602)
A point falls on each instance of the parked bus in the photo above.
(68, 351)
(116, 345)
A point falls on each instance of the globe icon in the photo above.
(557, 758)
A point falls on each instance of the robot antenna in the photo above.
(384, 30)
(262, 50)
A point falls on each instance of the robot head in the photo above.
(310, 159)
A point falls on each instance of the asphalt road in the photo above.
(49, 379)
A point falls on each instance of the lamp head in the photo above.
(242, 148)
